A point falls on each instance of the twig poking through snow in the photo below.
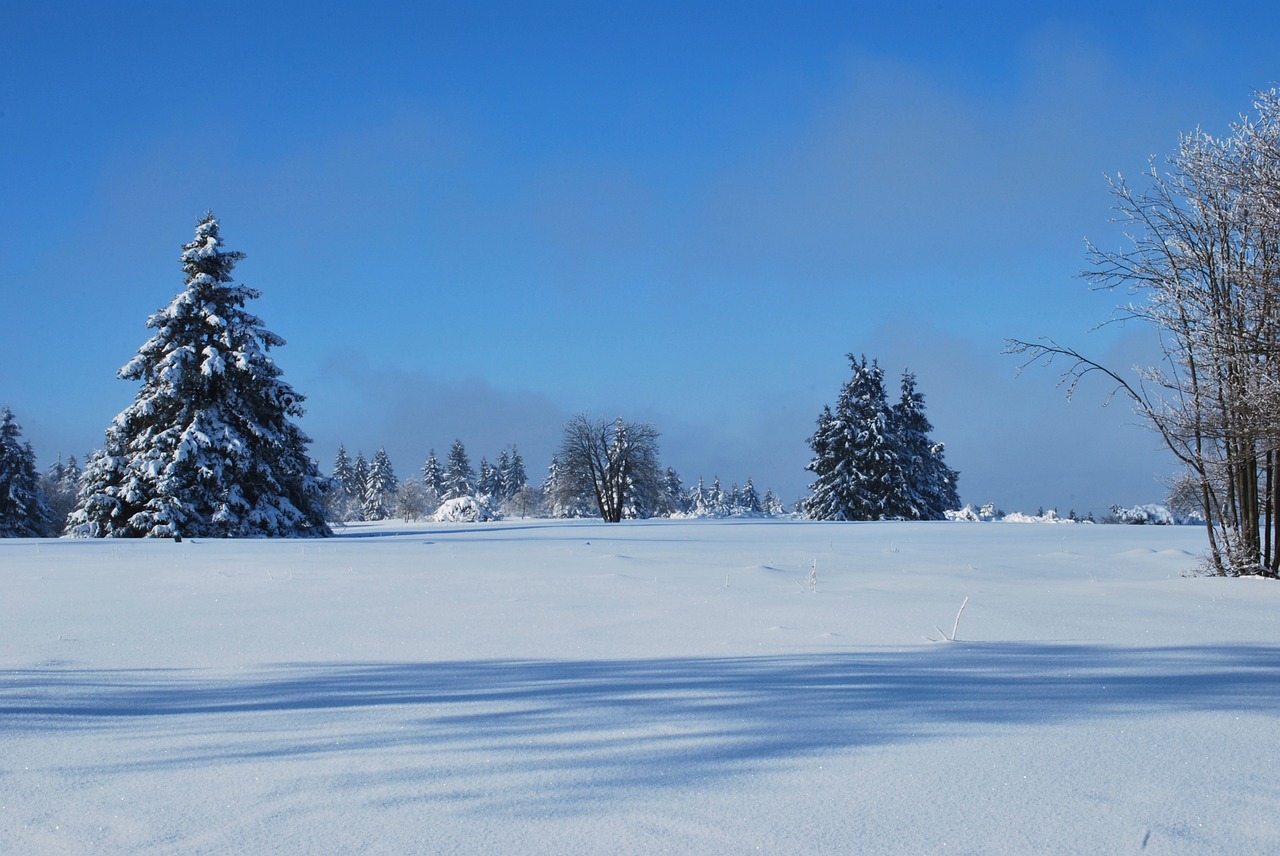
(955, 627)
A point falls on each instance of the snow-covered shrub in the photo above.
(466, 509)
(965, 515)
(1050, 516)
(1149, 515)
(985, 514)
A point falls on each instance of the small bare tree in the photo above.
(1205, 254)
(615, 463)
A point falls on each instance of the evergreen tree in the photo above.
(23, 513)
(359, 484)
(342, 471)
(489, 483)
(60, 486)
(71, 473)
(342, 499)
(97, 504)
(514, 478)
(930, 485)
(856, 458)
(696, 500)
(749, 500)
(501, 469)
(209, 446)
(380, 488)
(432, 475)
(550, 486)
(715, 499)
(821, 503)
(673, 494)
(771, 505)
(459, 478)
(567, 493)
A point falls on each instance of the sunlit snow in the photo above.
(661, 686)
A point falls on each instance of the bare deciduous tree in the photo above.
(1204, 256)
(615, 463)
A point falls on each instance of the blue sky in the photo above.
(472, 220)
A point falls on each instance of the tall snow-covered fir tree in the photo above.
(342, 499)
(208, 447)
(60, 485)
(514, 478)
(432, 475)
(566, 493)
(501, 469)
(856, 462)
(459, 478)
(342, 469)
(749, 500)
(380, 488)
(930, 484)
(23, 512)
(771, 505)
(874, 461)
(489, 482)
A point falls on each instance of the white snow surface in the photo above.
(661, 686)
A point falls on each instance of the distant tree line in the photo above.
(209, 447)
(370, 490)
(602, 469)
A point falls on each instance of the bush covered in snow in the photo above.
(1153, 515)
(466, 509)
(968, 514)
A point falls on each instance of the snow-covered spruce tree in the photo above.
(342, 470)
(60, 486)
(877, 462)
(356, 487)
(459, 478)
(856, 457)
(380, 488)
(342, 501)
(550, 487)
(23, 513)
(208, 447)
(490, 481)
(565, 494)
(930, 485)
(501, 469)
(514, 478)
(672, 494)
(717, 501)
(771, 505)
(432, 475)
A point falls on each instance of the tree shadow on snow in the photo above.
(600, 726)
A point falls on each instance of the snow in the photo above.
(657, 686)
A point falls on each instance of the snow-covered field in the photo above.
(665, 686)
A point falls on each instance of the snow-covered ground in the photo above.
(665, 686)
